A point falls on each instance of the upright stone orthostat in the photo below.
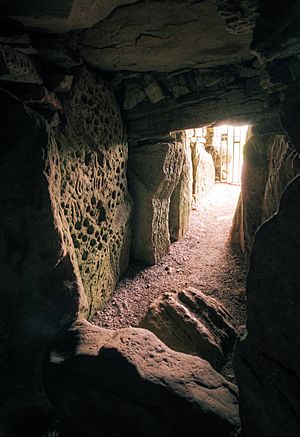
(203, 171)
(64, 231)
(270, 163)
(254, 176)
(154, 172)
(93, 198)
(181, 198)
(40, 288)
(267, 357)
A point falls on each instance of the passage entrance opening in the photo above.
(225, 144)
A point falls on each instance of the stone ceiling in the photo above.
(153, 35)
(144, 35)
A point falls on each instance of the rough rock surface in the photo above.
(203, 171)
(61, 16)
(181, 199)
(17, 67)
(190, 98)
(248, 215)
(128, 383)
(191, 322)
(90, 165)
(154, 172)
(284, 165)
(153, 35)
(270, 163)
(40, 287)
(65, 232)
(267, 357)
(239, 16)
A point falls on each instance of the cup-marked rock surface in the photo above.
(128, 383)
(154, 172)
(40, 287)
(267, 358)
(189, 321)
(90, 161)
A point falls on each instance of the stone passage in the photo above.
(154, 172)
(89, 163)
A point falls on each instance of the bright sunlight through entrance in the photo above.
(225, 143)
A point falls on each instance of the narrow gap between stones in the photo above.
(203, 259)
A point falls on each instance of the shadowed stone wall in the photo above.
(64, 230)
(267, 356)
(270, 163)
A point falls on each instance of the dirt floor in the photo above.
(202, 259)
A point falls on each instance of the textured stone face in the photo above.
(270, 163)
(61, 16)
(181, 198)
(193, 323)
(17, 67)
(248, 215)
(203, 171)
(190, 98)
(90, 161)
(40, 287)
(154, 172)
(267, 358)
(153, 35)
(64, 229)
(128, 383)
(284, 165)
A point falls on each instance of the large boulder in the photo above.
(128, 383)
(267, 357)
(191, 322)
(154, 172)
(181, 199)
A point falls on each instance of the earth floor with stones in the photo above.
(203, 259)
